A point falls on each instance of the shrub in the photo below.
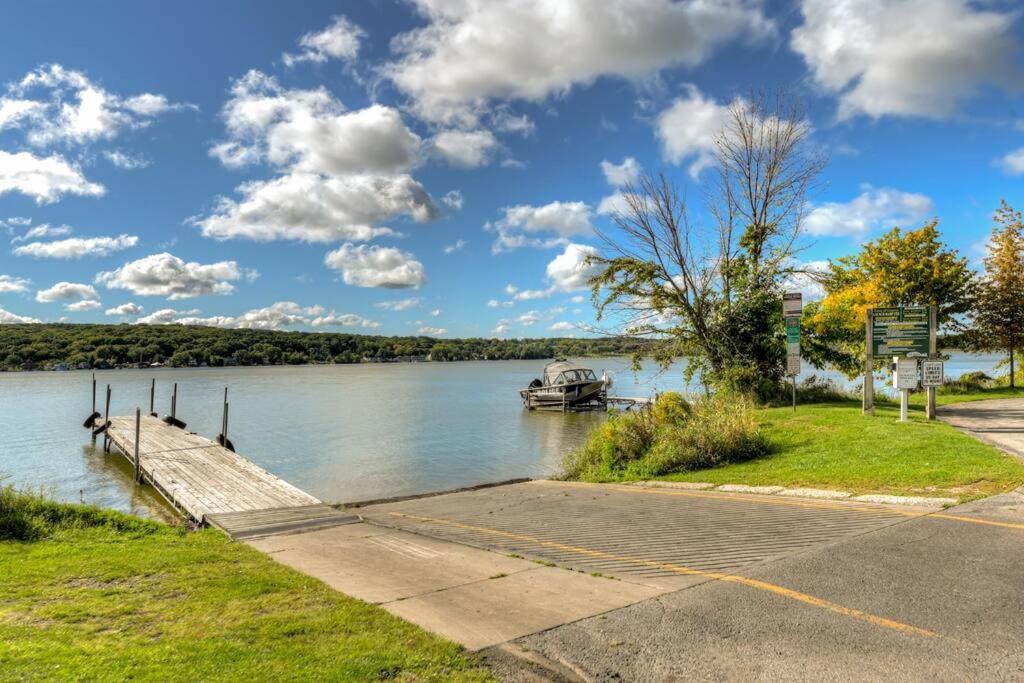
(29, 516)
(968, 383)
(672, 436)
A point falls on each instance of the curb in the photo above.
(799, 493)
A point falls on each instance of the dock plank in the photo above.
(200, 477)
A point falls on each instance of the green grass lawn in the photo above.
(126, 599)
(833, 446)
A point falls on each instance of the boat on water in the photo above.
(566, 386)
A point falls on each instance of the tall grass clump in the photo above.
(674, 435)
(30, 516)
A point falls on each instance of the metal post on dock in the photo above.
(174, 401)
(135, 460)
(106, 421)
(152, 396)
(94, 393)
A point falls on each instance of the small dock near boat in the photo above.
(206, 480)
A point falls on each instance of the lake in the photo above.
(341, 432)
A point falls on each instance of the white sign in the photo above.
(792, 304)
(792, 366)
(932, 373)
(906, 373)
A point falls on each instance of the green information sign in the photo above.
(900, 331)
(793, 336)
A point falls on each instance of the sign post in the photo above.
(869, 368)
(792, 310)
(905, 379)
(906, 333)
(933, 353)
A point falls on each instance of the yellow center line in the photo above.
(688, 571)
(972, 520)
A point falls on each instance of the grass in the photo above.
(97, 595)
(831, 445)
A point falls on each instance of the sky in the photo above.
(442, 167)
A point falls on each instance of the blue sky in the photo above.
(438, 166)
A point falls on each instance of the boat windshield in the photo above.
(571, 376)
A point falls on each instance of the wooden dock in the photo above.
(213, 485)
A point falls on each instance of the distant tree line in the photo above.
(70, 346)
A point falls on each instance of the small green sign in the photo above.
(901, 331)
(793, 336)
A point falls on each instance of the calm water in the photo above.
(342, 433)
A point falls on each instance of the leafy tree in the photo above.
(999, 320)
(714, 296)
(901, 268)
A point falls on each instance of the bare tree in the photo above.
(711, 294)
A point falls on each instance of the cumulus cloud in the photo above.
(125, 161)
(562, 326)
(906, 57)
(340, 40)
(494, 303)
(465, 148)
(400, 304)
(66, 291)
(474, 51)
(310, 130)
(375, 266)
(77, 247)
(314, 208)
(127, 309)
(529, 318)
(453, 200)
(164, 316)
(687, 129)
(273, 317)
(873, 208)
(333, 319)
(569, 271)
(84, 305)
(502, 327)
(805, 278)
(167, 275)
(625, 173)
(57, 105)
(435, 313)
(44, 230)
(44, 179)
(1013, 162)
(8, 318)
(525, 225)
(13, 285)
(432, 331)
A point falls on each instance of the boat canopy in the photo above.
(564, 372)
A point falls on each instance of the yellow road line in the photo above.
(689, 571)
(972, 520)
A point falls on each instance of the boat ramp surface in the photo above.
(211, 484)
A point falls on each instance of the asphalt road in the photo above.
(786, 589)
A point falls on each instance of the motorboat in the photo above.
(566, 386)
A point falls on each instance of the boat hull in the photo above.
(569, 395)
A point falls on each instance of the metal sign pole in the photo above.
(933, 352)
(869, 367)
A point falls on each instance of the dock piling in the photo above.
(106, 423)
(174, 402)
(135, 460)
(152, 397)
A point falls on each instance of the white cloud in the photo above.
(906, 57)
(310, 131)
(340, 40)
(617, 175)
(465, 149)
(688, 127)
(125, 161)
(400, 304)
(77, 247)
(1013, 162)
(344, 320)
(375, 266)
(873, 208)
(84, 305)
(531, 294)
(570, 271)
(274, 317)
(44, 230)
(75, 110)
(456, 246)
(164, 316)
(167, 275)
(563, 326)
(513, 163)
(529, 318)
(506, 122)
(494, 303)
(312, 208)
(13, 285)
(127, 309)
(521, 223)
(45, 179)
(8, 318)
(453, 200)
(805, 280)
(66, 291)
(578, 299)
(473, 51)
(502, 327)
(435, 313)
(432, 331)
